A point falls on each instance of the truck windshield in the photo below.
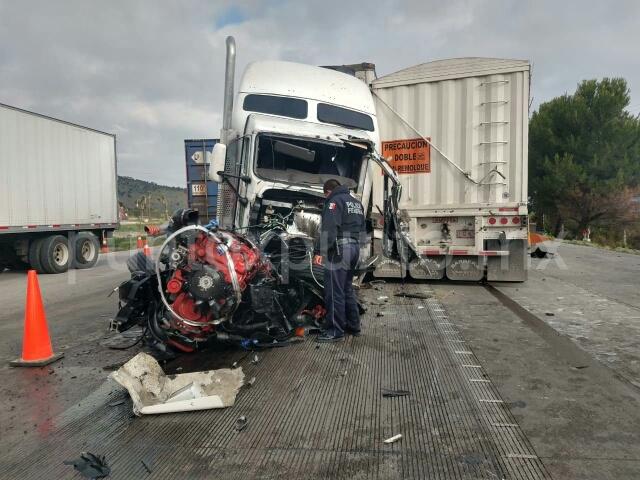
(342, 116)
(303, 161)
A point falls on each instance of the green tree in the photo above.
(584, 155)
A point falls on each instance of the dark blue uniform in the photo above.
(343, 232)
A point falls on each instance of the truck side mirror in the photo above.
(217, 161)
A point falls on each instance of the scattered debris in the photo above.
(255, 360)
(395, 393)
(241, 422)
(116, 403)
(422, 296)
(343, 374)
(90, 465)
(521, 404)
(383, 298)
(154, 392)
(420, 307)
(179, 369)
(147, 465)
(380, 314)
(251, 382)
(393, 439)
(234, 365)
(578, 367)
(549, 314)
(114, 366)
(133, 333)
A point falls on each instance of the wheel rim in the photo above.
(61, 254)
(88, 251)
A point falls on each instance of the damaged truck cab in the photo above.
(292, 127)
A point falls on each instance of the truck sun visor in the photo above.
(295, 151)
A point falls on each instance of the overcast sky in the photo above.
(152, 71)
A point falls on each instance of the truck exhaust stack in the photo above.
(229, 85)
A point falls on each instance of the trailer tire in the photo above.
(87, 248)
(35, 249)
(55, 256)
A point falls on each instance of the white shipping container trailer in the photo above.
(456, 131)
(58, 199)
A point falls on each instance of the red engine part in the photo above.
(185, 306)
(175, 284)
(247, 261)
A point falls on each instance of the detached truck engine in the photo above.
(214, 285)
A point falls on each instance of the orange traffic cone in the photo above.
(36, 346)
(140, 245)
(105, 248)
(146, 250)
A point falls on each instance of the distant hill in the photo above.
(131, 189)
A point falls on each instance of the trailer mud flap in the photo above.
(385, 267)
(436, 266)
(389, 268)
(512, 268)
(466, 268)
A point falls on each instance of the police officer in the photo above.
(343, 230)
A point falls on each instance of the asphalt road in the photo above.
(570, 379)
(593, 297)
(78, 310)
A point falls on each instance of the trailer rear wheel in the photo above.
(86, 250)
(35, 249)
(54, 256)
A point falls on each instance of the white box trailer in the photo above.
(59, 192)
(456, 132)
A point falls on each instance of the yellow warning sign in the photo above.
(408, 156)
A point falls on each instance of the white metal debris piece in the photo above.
(393, 439)
(154, 392)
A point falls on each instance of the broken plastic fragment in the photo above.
(147, 465)
(393, 439)
(395, 393)
(251, 382)
(422, 296)
(154, 392)
(241, 422)
(255, 360)
(115, 404)
(90, 465)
